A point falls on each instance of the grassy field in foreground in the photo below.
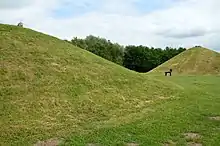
(51, 89)
(189, 112)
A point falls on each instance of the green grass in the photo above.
(189, 111)
(51, 89)
(194, 61)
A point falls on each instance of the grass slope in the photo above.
(169, 120)
(50, 89)
(193, 61)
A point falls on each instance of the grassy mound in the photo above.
(50, 88)
(194, 61)
(53, 92)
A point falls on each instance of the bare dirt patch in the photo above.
(170, 143)
(217, 118)
(92, 144)
(192, 136)
(132, 144)
(49, 142)
(193, 144)
(54, 64)
(163, 98)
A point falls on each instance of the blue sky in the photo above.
(71, 9)
(156, 23)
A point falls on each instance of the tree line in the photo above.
(138, 58)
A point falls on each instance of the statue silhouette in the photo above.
(169, 72)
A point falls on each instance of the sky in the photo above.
(153, 23)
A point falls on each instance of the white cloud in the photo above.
(185, 23)
(10, 4)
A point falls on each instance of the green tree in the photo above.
(101, 47)
(138, 58)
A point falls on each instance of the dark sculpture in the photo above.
(169, 72)
(20, 24)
